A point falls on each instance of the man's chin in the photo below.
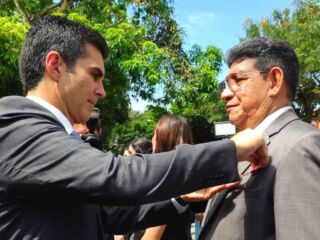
(233, 119)
(237, 123)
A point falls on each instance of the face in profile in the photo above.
(247, 100)
(81, 87)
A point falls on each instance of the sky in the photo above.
(218, 23)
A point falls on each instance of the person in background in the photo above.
(280, 201)
(54, 186)
(91, 131)
(94, 123)
(170, 132)
(94, 134)
(140, 145)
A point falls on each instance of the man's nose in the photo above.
(100, 91)
(226, 93)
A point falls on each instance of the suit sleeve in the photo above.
(297, 191)
(141, 217)
(40, 161)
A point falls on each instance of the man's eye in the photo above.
(95, 74)
(240, 78)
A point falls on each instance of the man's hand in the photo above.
(251, 147)
(207, 193)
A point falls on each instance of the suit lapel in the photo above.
(215, 202)
(282, 121)
(212, 206)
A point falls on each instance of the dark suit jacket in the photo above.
(278, 202)
(53, 186)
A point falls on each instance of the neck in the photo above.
(262, 113)
(51, 96)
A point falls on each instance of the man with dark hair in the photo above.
(67, 38)
(277, 202)
(55, 186)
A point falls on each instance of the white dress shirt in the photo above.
(55, 111)
(269, 119)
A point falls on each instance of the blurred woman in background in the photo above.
(170, 131)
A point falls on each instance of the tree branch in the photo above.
(62, 5)
(314, 75)
(21, 12)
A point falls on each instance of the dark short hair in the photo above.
(269, 53)
(171, 131)
(141, 145)
(54, 33)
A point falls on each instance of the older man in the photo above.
(279, 202)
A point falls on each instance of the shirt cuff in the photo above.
(180, 209)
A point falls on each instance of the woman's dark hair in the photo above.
(141, 145)
(171, 131)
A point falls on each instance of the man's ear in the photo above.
(53, 65)
(277, 81)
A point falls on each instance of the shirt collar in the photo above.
(269, 119)
(55, 111)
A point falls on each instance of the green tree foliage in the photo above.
(195, 96)
(198, 95)
(12, 32)
(139, 125)
(300, 26)
(146, 55)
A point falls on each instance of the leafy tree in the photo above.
(138, 125)
(198, 93)
(12, 32)
(301, 28)
(146, 55)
